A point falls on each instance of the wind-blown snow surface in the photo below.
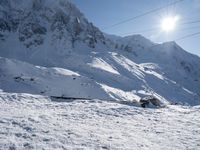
(36, 122)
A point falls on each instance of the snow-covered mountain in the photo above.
(48, 47)
(42, 29)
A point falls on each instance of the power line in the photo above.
(187, 36)
(182, 38)
(143, 14)
(184, 29)
(191, 22)
(157, 28)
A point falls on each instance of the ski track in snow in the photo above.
(35, 122)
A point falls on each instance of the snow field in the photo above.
(35, 122)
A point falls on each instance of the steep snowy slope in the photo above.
(25, 78)
(54, 33)
(171, 60)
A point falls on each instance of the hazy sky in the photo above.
(104, 13)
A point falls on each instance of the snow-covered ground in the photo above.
(36, 122)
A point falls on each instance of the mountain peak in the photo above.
(33, 20)
(171, 44)
(54, 33)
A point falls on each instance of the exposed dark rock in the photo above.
(146, 101)
(4, 26)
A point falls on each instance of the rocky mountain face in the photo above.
(34, 22)
(54, 33)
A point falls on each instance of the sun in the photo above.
(169, 23)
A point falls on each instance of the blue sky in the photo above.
(103, 13)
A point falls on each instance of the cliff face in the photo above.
(32, 23)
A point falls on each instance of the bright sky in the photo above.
(105, 13)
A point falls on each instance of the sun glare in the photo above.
(169, 23)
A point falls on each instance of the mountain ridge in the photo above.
(124, 68)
